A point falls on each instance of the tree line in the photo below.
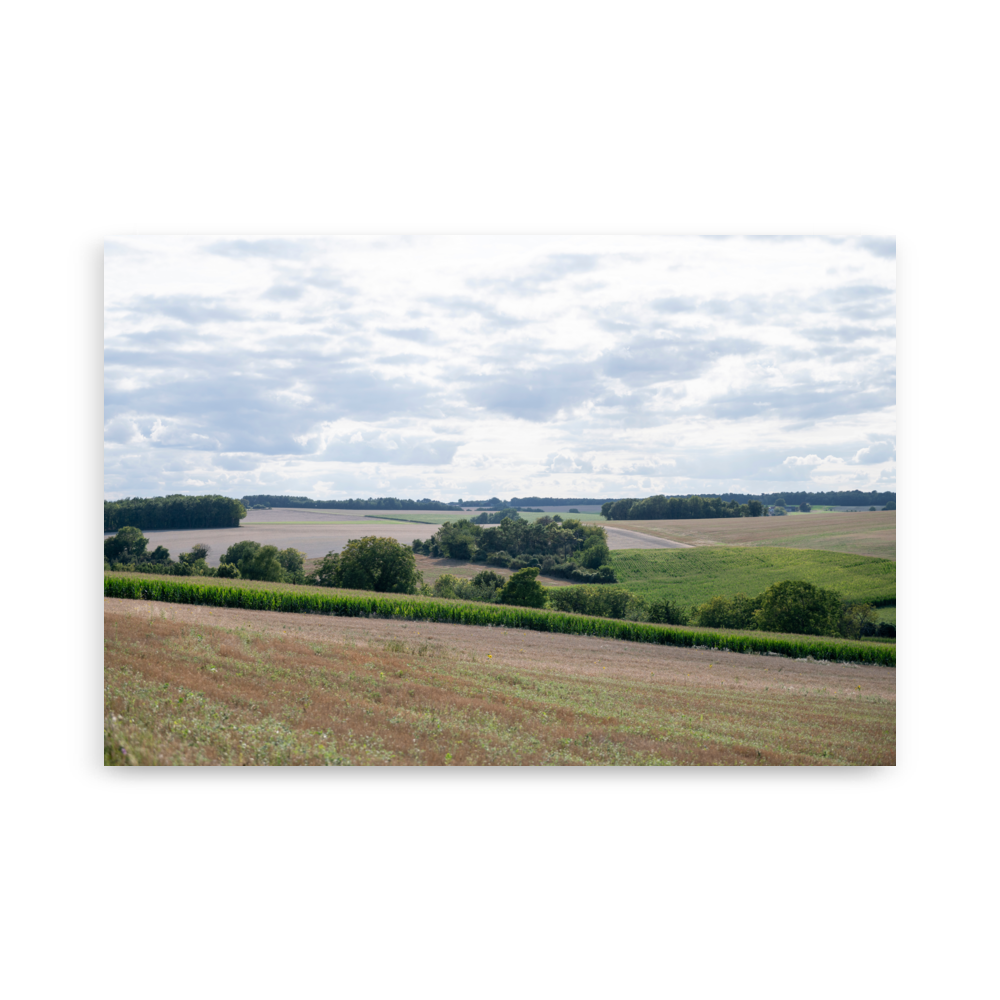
(176, 511)
(678, 508)
(791, 606)
(372, 503)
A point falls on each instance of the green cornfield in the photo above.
(693, 576)
(305, 600)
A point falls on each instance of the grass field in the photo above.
(190, 685)
(692, 576)
(866, 533)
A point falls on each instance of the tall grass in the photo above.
(357, 604)
(694, 576)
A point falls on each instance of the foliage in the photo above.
(661, 507)
(371, 563)
(379, 503)
(804, 508)
(523, 589)
(694, 576)
(664, 612)
(282, 598)
(607, 602)
(128, 545)
(733, 612)
(496, 516)
(485, 586)
(565, 548)
(857, 620)
(228, 571)
(254, 561)
(797, 606)
(173, 512)
(891, 505)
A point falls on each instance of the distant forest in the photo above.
(173, 512)
(378, 503)
(841, 498)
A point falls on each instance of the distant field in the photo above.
(437, 517)
(693, 576)
(185, 684)
(868, 533)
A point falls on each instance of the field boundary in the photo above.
(506, 616)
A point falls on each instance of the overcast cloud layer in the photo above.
(450, 367)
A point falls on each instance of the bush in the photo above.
(127, 546)
(728, 612)
(444, 586)
(605, 602)
(523, 590)
(855, 618)
(371, 563)
(228, 572)
(664, 612)
(797, 606)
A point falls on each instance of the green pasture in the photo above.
(693, 576)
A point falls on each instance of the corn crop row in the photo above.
(506, 616)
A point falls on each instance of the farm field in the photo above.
(313, 539)
(866, 533)
(439, 517)
(188, 684)
(692, 576)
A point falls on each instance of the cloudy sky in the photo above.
(450, 367)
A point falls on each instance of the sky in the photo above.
(467, 367)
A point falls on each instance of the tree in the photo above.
(799, 607)
(804, 508)
(523, 589)
(371, 563)
(262, 564)
(128, 546)
(890, 505)
(238, 551)
(857, 620)
(292, 562)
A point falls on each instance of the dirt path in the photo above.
(578, 655)
(623, 538)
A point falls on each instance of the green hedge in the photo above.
(394, 606)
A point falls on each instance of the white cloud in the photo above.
(463, 365)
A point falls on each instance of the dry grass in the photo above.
(188, 685)
(867, 533)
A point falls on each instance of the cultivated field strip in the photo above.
(693, 576)
(362, 604)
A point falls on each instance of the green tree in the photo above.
(799, 607)
(238, 551)
(371, 563)
(262, 564)
(292, 562)
(854, 618)
(804, 508)
(128, 546)
(523, 589)
(444, 586)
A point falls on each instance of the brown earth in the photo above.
(866, 533)
(189, 685)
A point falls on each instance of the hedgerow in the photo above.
(505, 616)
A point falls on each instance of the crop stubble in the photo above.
(288, 688)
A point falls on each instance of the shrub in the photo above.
(797, 606)
(128, 545)
(523, 590)
(664, 612)
(228, 571)
(734, 612)
(371, 563)
(855, 618)
(444, 586)
(605, 602)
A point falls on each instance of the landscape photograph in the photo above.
(500, 500)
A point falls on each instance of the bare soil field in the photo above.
(868, 533)
(313, 539)
(188, 684)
